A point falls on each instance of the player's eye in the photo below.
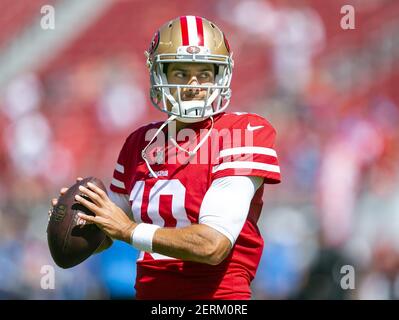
(206, 75)
(180, 74)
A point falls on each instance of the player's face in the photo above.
(190, 74)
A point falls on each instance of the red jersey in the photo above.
(239, 144)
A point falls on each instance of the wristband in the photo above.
(141, 237)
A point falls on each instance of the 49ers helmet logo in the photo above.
(193, 49)
(154, 43)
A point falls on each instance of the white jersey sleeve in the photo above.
(226, 204)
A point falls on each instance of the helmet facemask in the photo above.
(217, 95)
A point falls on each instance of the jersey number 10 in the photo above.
(170, 212)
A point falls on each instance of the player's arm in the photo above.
(197, 242)
(222, 216)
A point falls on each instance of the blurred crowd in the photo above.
(330, 93)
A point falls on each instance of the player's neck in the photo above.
(181, 125)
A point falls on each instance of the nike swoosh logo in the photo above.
(250, 128)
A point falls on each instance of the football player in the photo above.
(187, 192)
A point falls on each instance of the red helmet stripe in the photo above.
(200, 31)
(184, 30)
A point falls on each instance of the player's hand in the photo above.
(109, 217)
(55, 200)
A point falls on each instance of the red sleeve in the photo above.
(248, 149)
(119, 181)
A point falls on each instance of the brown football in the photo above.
(70, 243)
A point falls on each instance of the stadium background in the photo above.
(70, 96)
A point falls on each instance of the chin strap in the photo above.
(144, 154)
(190, 153)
